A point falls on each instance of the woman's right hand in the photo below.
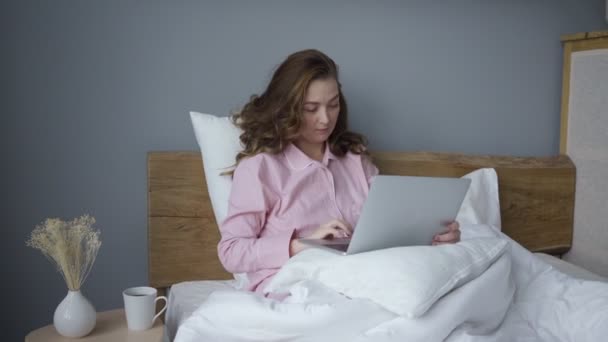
(335, 228)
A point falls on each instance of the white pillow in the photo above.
(404, 280)
(219, 143)
(481, 204)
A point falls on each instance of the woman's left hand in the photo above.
(450, 235)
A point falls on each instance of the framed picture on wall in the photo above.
(584, 138)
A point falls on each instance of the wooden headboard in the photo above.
(536, 200)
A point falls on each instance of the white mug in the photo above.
(140, 305)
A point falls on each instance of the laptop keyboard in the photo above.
(338, 247)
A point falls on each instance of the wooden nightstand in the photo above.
(111, 326)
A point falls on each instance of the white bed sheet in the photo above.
(186, 297)
(569, 268)
(547, 305)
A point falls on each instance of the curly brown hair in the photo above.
(271, 121)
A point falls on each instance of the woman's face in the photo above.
(320, 111)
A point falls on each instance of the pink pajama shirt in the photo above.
(277, 197)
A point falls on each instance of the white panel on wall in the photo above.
(587, 146)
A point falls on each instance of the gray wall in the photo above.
(90, 87)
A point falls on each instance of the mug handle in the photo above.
(161, 310)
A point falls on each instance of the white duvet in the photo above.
(517, 298)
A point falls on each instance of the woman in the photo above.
(302, 173)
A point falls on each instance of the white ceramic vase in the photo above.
(75, 316)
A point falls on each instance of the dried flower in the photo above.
(71, 246)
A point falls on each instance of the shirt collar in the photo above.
(298, 160)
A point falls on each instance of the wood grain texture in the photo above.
(182, 231)
(111, 326)
(536, 196)
(589, 44)
(583, 35)
(183, 248)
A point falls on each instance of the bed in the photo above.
(536, 207)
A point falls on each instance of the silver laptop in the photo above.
(401, 211)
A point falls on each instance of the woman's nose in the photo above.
(323, 116)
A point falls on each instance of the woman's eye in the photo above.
(310, 109)
(334, 105)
